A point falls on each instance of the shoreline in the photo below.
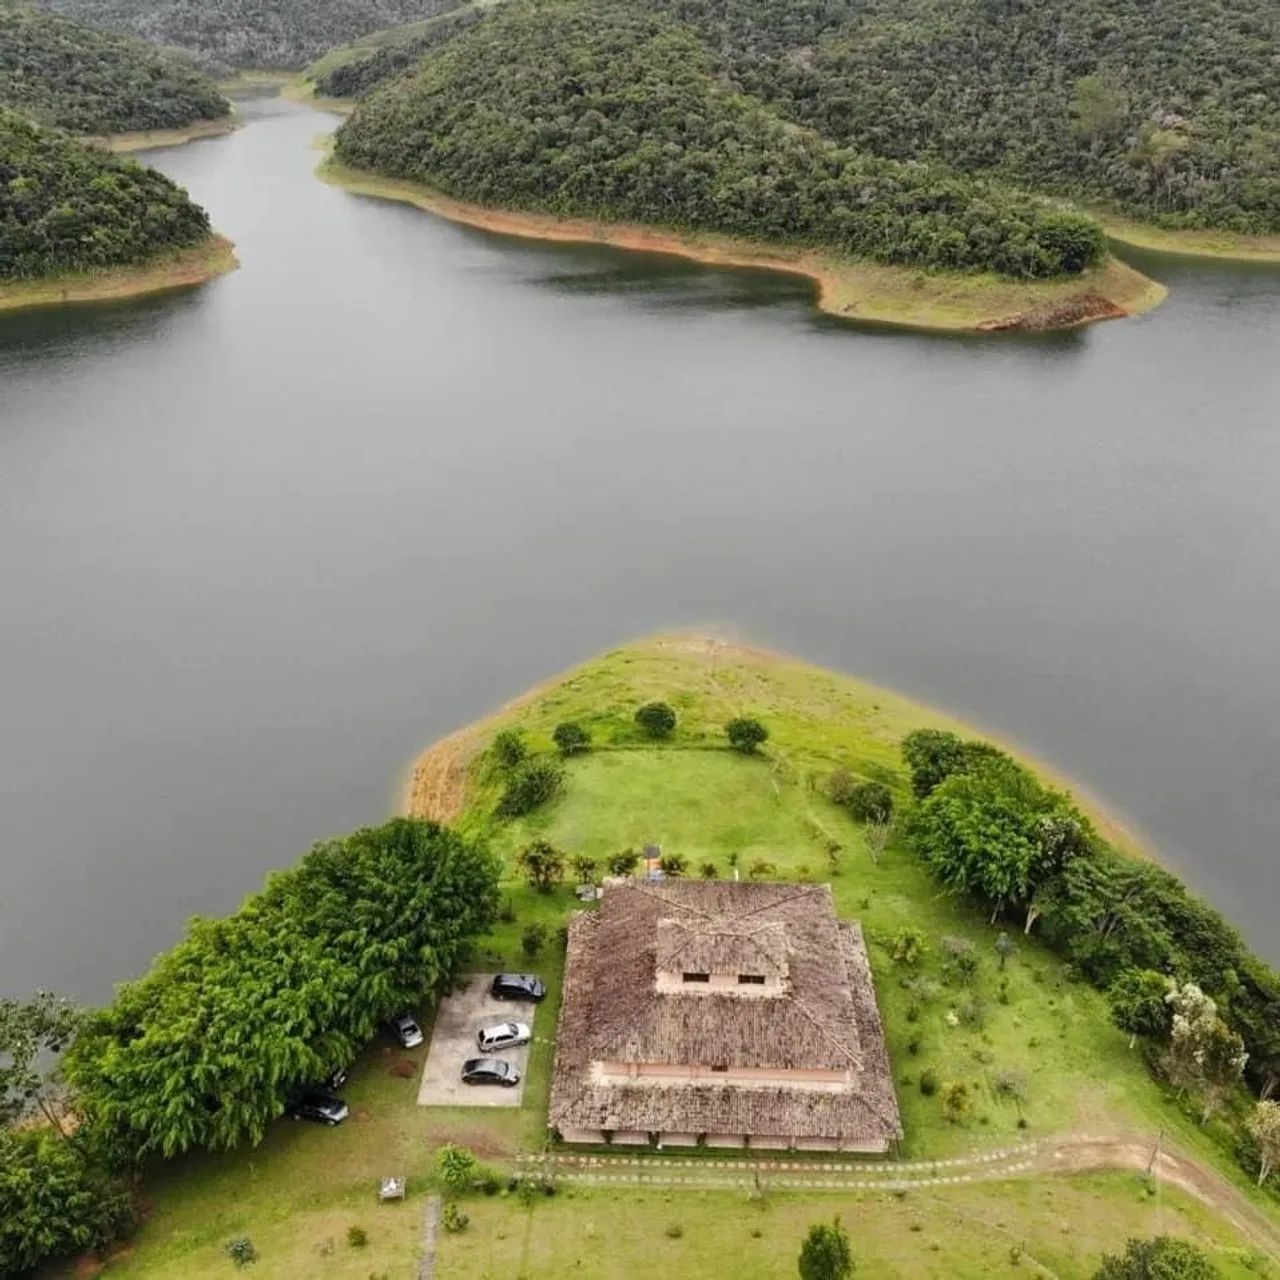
(846, 289)
(1209, 245)
(151, 139)
(181, 269)
(433, 780)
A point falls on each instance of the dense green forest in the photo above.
(67, 74)
(66, 207)
(602, 109)
(367, 69)
(250, 33)
(903, 132)
(1170, 111)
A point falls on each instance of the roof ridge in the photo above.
(855, 1058)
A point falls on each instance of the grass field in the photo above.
(298, 1193)
(1193, 244)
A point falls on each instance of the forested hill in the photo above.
(66, 207)
(1169, 110)
(1169, 113)
(250, 33)
(67, 74)
(603, 109)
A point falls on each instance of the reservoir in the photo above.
(262, 541)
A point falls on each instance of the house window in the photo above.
(720, 1066)
(696, 977)
(751, 979)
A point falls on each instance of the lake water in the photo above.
(262, 541)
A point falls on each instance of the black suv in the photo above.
(517, 986)
(319, 1106)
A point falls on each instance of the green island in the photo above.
(1066, 1026)
(812, 143)
(78, 224)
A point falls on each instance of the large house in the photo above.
(725, 1013)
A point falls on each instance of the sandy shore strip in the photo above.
(179, 270)
(151, 139)
(846, 288)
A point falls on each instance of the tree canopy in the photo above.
(251, 33)
(70, 75)
(204, 1051)
(599, 109)
(65, 207)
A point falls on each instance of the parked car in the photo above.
(489, 1071)
(407, 1031)
(503, 1035)
(517, 986)
(315, 1104)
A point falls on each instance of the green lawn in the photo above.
(297, 1194)
(1059, 1228)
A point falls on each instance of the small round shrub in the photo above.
(241, 1252)
(746, 734)
(928, 1082)
(532, 939)
(673, 864)
(656, 719)
(453, 1218)
(531, 783)
(571, 738)
(708, 871)
(871, 802)
(509, 748)
(674, 1231)
(357, 1237)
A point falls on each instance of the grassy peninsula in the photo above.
(1049, 1158)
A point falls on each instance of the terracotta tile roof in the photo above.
(824, 1018)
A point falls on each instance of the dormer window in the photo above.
(751, 979)
(695, 977)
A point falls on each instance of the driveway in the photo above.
(453, 1041)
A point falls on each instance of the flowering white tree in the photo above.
(1204, 1054)
(1264, 1129)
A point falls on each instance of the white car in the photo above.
(503, 1035)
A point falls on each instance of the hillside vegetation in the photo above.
(66, 74)
(65, 207)
(608, 111)
(911, 133)
(250, 33)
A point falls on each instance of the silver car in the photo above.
(503, 1035)
(407, 1031)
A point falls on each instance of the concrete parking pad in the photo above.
(453, 1041)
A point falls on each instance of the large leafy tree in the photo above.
(204, 1051)
(33, 1033)
(1162, 1258)
(53, 1200)
(993, 831)
(1139, 1005)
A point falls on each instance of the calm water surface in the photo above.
(262, 541)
